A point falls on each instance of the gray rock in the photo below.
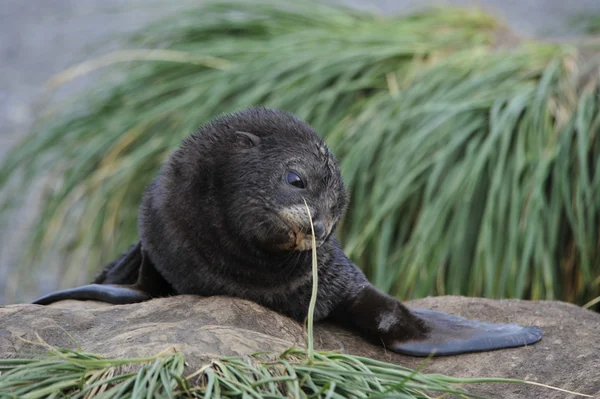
(204, 328)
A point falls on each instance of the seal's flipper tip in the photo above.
(115, 294)
(453, 335)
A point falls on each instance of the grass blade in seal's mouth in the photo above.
(315, 285)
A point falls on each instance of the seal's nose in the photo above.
(319, 230)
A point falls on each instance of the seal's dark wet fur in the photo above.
(221, 218)
(209, 221)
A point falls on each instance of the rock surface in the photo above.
(567, 357)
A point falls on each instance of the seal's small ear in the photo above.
(247, 139)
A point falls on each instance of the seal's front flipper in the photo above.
(453, 335)
(419, 332)
(115, 294)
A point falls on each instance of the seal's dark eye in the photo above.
(294, 179)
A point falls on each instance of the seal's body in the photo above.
(226, 216)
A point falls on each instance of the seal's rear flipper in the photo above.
(115, 294)
(123, 270)
(453, 335)
(130, 279)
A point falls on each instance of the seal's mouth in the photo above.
(303, 242)
(298, 239)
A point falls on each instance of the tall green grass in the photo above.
(473, 169)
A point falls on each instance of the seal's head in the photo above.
(260, 165)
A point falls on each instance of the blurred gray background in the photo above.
(39, 38)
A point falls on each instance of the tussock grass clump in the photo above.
(78, 375)
(290, 374)
(473, 170)
(328, 375)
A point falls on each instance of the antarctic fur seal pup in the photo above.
(226, 216)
